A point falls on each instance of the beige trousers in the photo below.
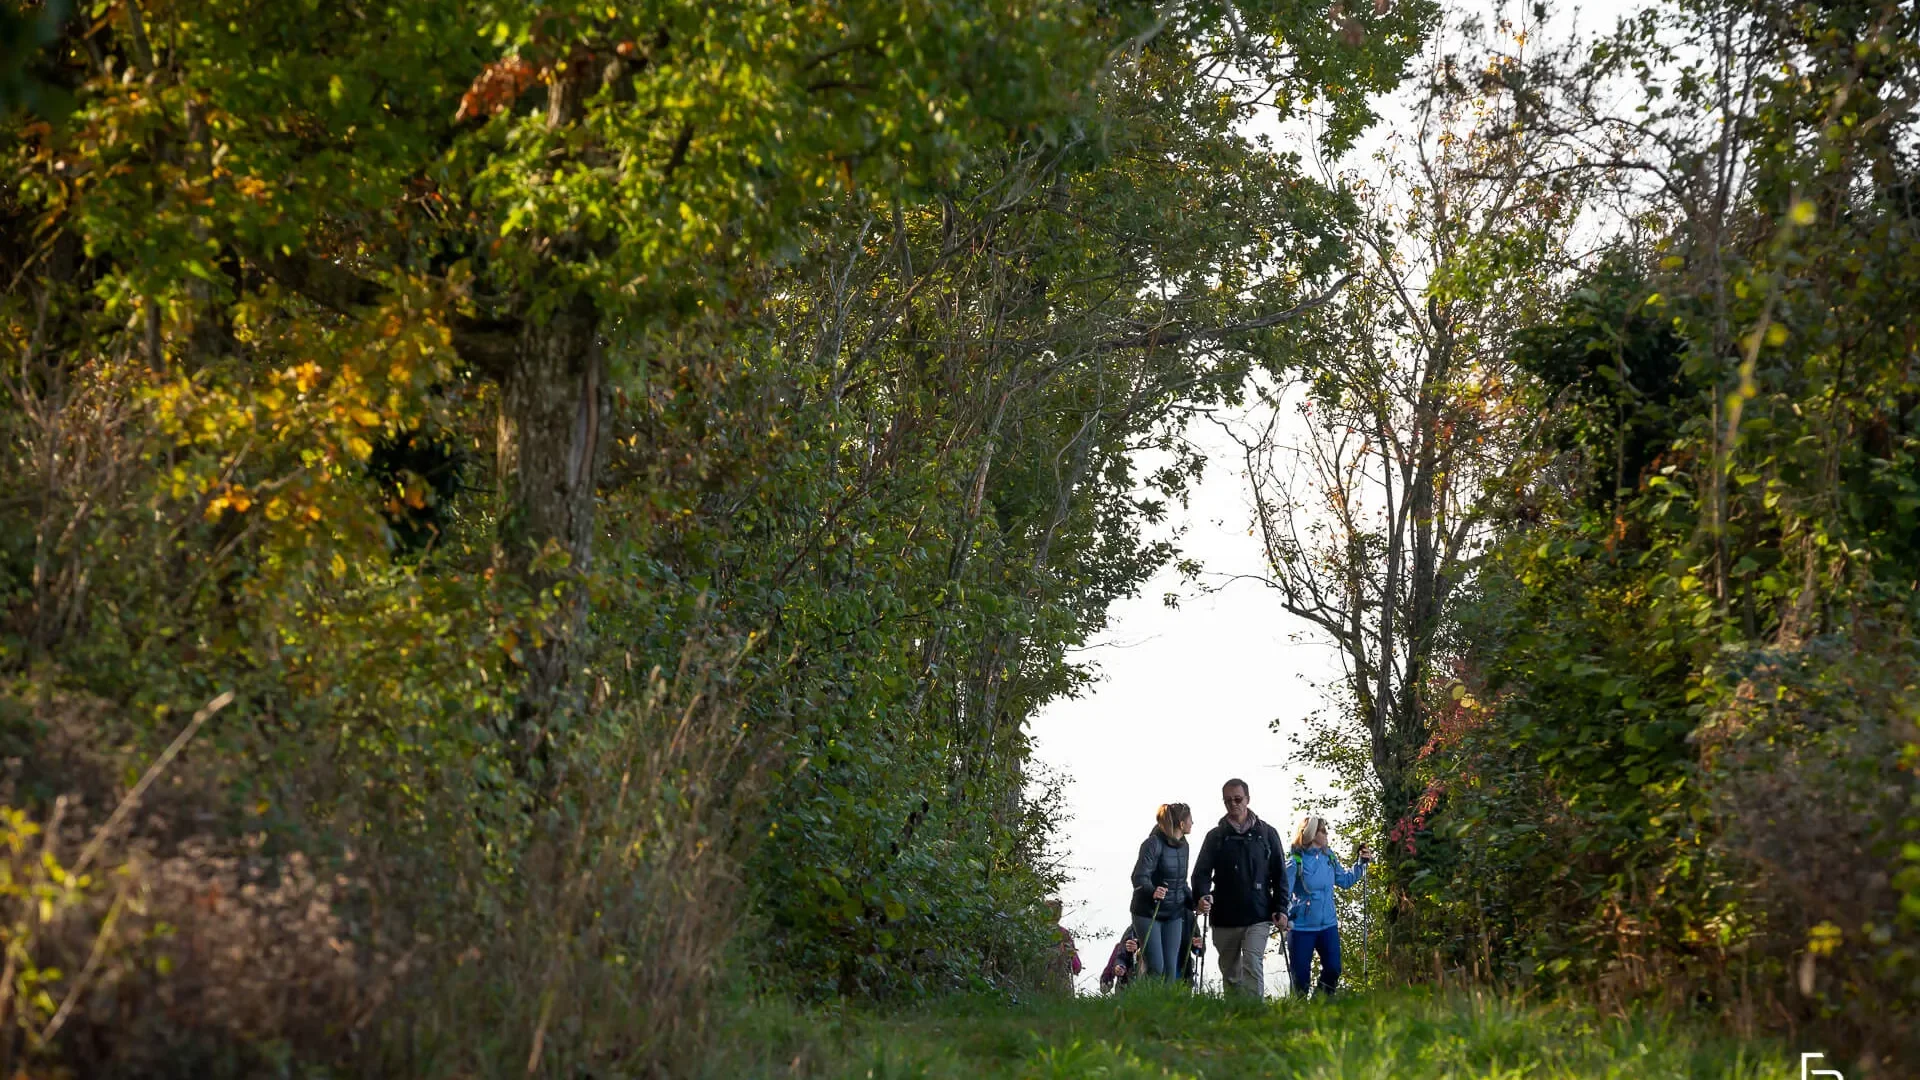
(1243, 957)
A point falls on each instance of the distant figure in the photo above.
(1066, 964)
(1160, 894)
(1313, 872)
(1240, 877)
(1123, 963)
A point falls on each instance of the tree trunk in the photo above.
(553, 412)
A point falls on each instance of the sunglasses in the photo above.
(1233, 799)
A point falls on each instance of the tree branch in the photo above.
(486, 344)
(1160, 337)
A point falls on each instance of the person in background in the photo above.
(1240, 877)
(1160, 894)
(1123, 963)
(1066, 965)
(1313, 872)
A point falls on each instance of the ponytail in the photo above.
(1169, 817)
(1309, 827)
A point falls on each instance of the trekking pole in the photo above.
(1366, 923)
(1366, 916)
(1286, 937)
(1286, 954)
(1200, 951)
(1147, 938)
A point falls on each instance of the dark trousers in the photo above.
(1164, 946)
(1301, 945)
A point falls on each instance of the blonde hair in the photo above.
(1309, 826)
(1169, 817)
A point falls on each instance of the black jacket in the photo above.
(1161, 862)
(1246, 873)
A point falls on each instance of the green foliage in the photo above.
(637, 466)
(1678, 752)
(1616, 369)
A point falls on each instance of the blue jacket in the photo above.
(1311, 876)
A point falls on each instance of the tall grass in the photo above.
(604, 965)
(582, 941)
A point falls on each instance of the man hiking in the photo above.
(1240, 877)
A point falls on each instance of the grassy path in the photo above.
(1396, 1036)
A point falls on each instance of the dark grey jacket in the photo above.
(1161, 862)
(1246, 873)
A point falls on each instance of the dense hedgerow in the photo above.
(1673, 746)
(630, 472)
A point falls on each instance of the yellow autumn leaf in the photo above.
(1824, 938)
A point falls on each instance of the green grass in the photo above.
(1149, 1032)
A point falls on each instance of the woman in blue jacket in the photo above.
(1161, 896)
(1312, 873)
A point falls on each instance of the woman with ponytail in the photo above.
(1160, 893)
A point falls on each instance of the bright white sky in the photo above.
(1186, 702)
